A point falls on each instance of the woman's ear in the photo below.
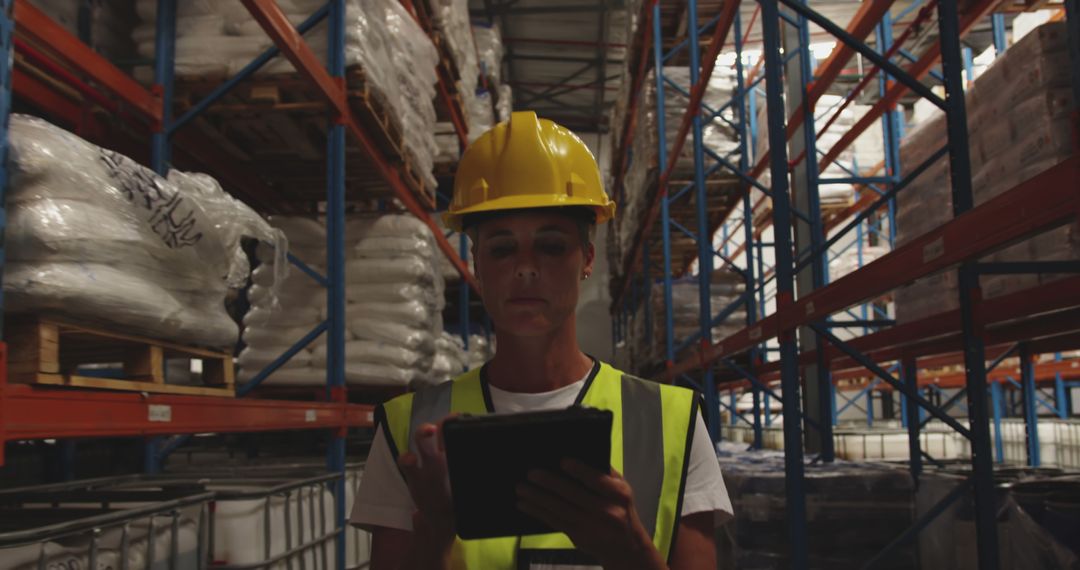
(590, 257)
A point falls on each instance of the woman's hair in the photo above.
(584, 218)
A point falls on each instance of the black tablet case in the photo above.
(488, 456)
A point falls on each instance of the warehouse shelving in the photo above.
(800, 329)
(61, 75)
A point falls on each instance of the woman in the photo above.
(528, 193)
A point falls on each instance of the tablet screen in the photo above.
(488, 456)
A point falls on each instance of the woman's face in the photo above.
(530, 266)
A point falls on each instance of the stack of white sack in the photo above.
(1018, 127)
(479, 114)
(451, 18)
(108, 21)
(277, 321)
(447, 143)
(395, 298)
(95, 238)
(489, 47)
(504, 104)
(219, 38)
(449, 361)
(480, 351)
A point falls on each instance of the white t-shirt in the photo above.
(383, 498)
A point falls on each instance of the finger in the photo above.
(533, 492)
(535, 503)
(567, 489)
(442, 422)
(426, 438)
(603, 484)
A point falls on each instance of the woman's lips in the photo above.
(526, 301)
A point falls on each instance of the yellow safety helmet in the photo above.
(527, 162)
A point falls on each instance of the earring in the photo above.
(586, 276)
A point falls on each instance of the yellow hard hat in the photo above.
(527, 162)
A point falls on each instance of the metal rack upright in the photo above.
(29, 412)
(801, 329)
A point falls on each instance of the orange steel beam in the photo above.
(1045, 200)
(332, 89)
(897, 89)
(38, 27)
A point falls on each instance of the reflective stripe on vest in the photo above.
(651, 432)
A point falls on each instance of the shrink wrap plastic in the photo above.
(394, 295)
(220, 38)
(96, 238)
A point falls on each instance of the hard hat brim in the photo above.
(604, 211)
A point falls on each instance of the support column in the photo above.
(808, 236)
(969, 292)
(908, 367)
(794, 485)
(665, 214)
(1031, 405)
(164, 64)
(335, 274)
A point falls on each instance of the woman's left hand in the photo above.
(595, 509)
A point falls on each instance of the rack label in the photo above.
(809, 308)
(159, 413)
(755, 333)
(310, 416)
(933, 250)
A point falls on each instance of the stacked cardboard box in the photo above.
(1018, 127)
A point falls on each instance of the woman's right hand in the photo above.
(429, 484)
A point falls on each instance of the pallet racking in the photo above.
(803, 329)
(47, 65)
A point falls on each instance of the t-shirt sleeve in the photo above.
(383, 498)
(705, 490)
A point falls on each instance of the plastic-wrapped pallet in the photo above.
(96, 238)
(1017, 127)
(279, 319)
(479, 114)
(219, 38)
(490, 49)
(718, 137)
(451, 19)
(856, 508)
(395, 296)
(449, 360)
(446, 141)
(480, 351)
(504, 105)
(109, 23)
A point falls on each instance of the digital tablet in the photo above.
(488, 456)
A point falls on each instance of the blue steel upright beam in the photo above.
(665, 213)
(704, 241)
(970, 296)
(1031, 406)
(7, 30)
(908, 367)
(818, 397)
(164, 65)
(335, 275)
(892, 122)
(997, 24)
(794, 485)
(750, 282)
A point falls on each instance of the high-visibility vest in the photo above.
(651, 433)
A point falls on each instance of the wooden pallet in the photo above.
(48, 352)
(279, 120)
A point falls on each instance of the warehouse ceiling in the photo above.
(565, 58)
